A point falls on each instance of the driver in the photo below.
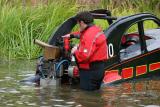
(91, 53)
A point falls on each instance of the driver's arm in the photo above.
(75, 35)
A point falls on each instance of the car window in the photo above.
(152, 30)
(149, 24)
(132, 29)
(130, 52)
(130, 43)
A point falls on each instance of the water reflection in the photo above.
(144, 93)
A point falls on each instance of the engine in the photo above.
(57, 63)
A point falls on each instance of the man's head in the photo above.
(84, 19)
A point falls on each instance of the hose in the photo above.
(59, 64)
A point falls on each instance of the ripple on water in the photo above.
(44, 102)
(45, 106)
(19, 102)
(2, 91)
(152, 106)
(136, 100)
(10, 104)
(71, 102)
(124, 96)
(13, 91)
(79, 105)
(32, 104)
(29, 87)
(26, 75)
(57, 100)
(57, 105)
(8, 78)
(1, 80)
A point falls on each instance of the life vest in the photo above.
(92, 47)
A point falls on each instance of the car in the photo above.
(138, 60)
(133, 49)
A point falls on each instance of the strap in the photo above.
(98, 34)
(94, 40)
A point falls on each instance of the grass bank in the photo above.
(20, 25)
(20, 22)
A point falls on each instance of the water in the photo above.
(14, 94)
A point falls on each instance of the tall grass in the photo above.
(20, 25)
(20, 22)
(136, 6)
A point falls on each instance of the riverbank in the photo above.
(21, 24)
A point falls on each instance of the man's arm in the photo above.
(73, 35)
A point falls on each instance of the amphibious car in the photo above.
(133, 49)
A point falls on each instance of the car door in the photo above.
(139, 59)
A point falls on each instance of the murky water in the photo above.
(14, 94)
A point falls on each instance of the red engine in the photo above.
(66, 41)
(73, 70)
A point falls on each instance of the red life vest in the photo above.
(92, 47)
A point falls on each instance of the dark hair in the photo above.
(84, 16)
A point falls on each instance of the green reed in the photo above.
(21, 23)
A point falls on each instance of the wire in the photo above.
(60, 64)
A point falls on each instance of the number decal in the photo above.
(110, 50)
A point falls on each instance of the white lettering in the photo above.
(110, 50)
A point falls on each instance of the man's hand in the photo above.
(74, 49)
(66, 36)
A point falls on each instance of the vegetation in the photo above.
(20, 22)
(20, 25)
(135, 6)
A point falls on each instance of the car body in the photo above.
(138, 60)
(135, 61)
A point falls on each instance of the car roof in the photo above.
(117, 29)
(129, 20)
